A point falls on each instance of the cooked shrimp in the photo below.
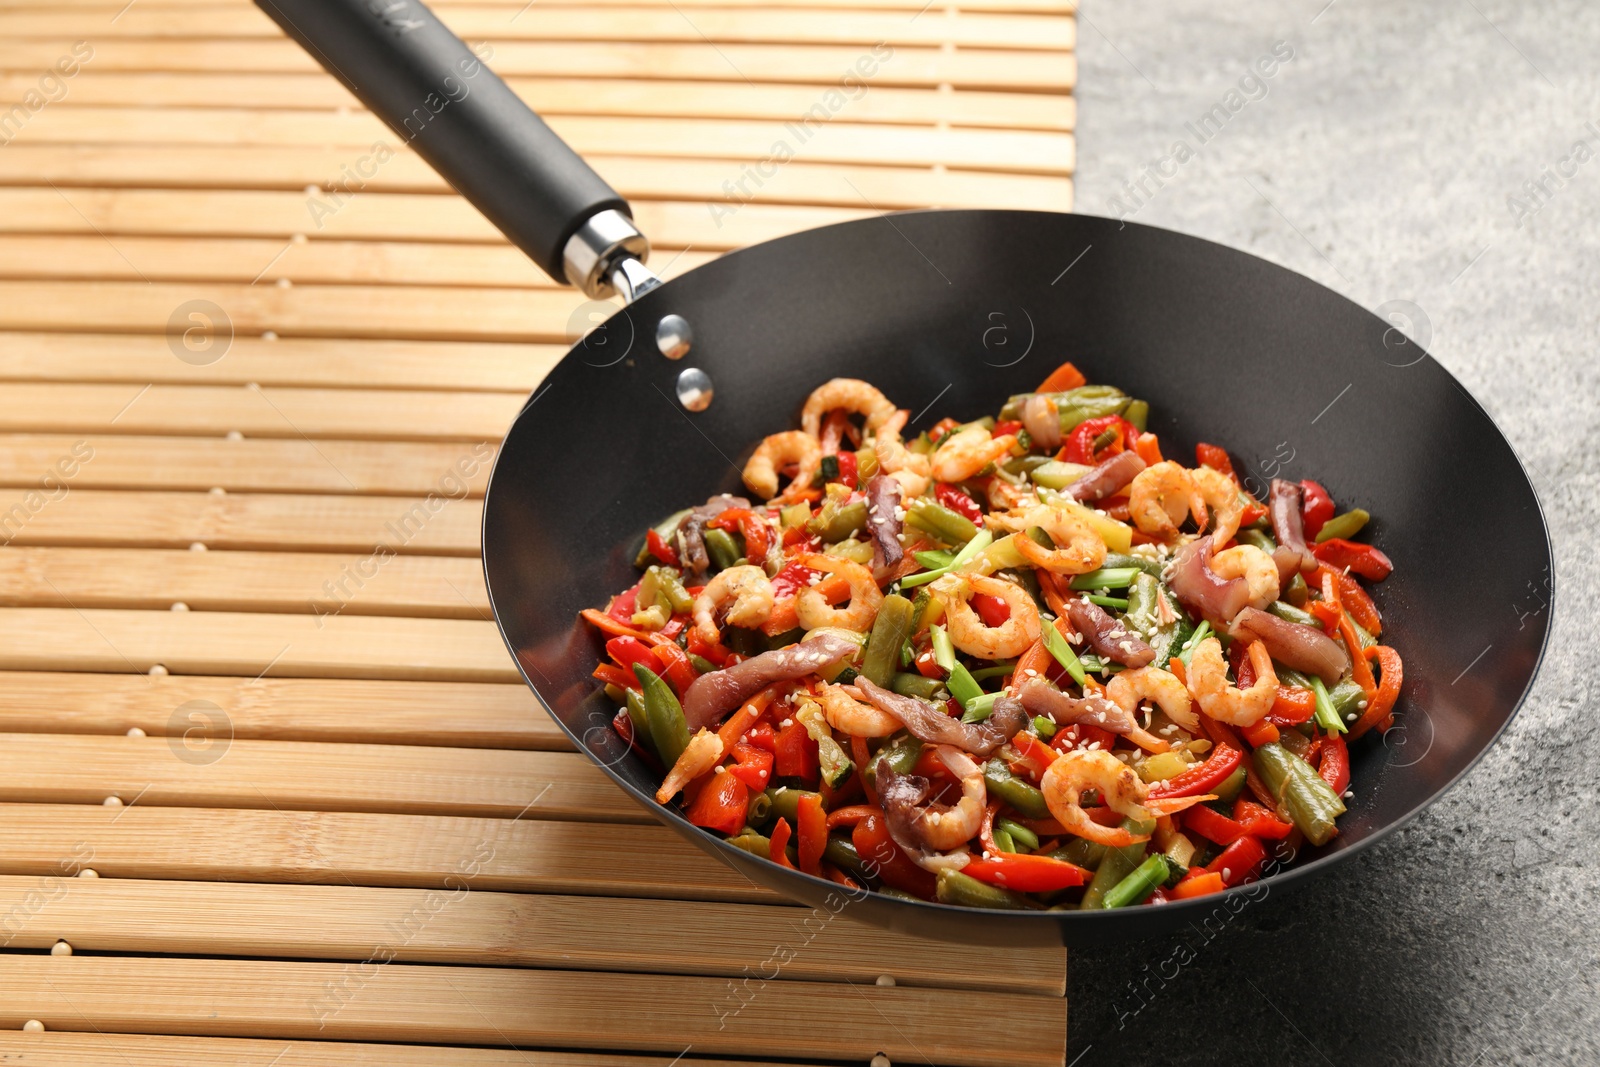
(1119, 787)
(1078, 550)
(910, 469)
(1159, 497)
(1128, 688)
(1221, 494)
(947, 826)
(850, 394)
(1208, 681)
(966, 452)
(790, 448)
(1257, 569)
(750, 592)
(848, 715)
(699, 756)
(813, 608)
(969, 633)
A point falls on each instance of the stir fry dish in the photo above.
(1024, 662)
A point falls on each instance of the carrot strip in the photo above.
(1380, 707)
(741, 720)
(851, 815)
(1173, 805)
(1198, 886)
(606, 624)
(1148, 448)
(1061, 379)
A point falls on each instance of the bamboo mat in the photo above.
(279, 789)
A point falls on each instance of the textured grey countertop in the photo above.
(1387, 158)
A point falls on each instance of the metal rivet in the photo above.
(694, 389)
(674, 336)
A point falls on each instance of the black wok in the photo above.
(949, 312)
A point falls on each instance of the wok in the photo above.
(950, 312)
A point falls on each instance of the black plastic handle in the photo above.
(439, 98)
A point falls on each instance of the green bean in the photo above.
(1258, 538)
(1327, 715)
(638, 716)
(1106, 578)
(1003, 842)
(753, 843)
(669, 730)
(1081, 851)
(908, 684)
(1119, 560)
(1346, 526)
(760, 809)
(841, 852)
(1139, 883)
(1014, 791)
(998, 669)
(965, 890)
(1298, 593)
(902, 754)
(889, 632)
(721, 548)
(744, 641)
(1362, 634)
(1019, 833)
(834, 523)
(1115, 865)
(919, 604)
(940, 521)
(1024, 464)
(1290, 676)
(1290, 613)
(1310, 801)
(1088, 402)
(1346, 699)
(786, 801)
(783, 640)
(898, 894)
(1138, 413)
(701, 664)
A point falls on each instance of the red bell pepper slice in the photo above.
(813, 833)
(1380, 709)
(1216, 458)
(1069, 737)
(1365, 560)
(1335, 764)
(658, 547)
(1212, 825)
(761, 735)
(1006, 426)
(751, 765)
(1026, 873)
(1355, 600)
(722, 804)
(790, 579)
(1257, 820)
(1062, 378)
(778, 844)
(795, 754)
(1240, 862)
(927, 666)
(958, 501)
(675, 666)
(756, 533)
(1224, 760)
(1316, 507)
(627, 651)
(1079, 445)
(991, 609)
(1148, 447)
(611, 674)
(1293, 706)
(624, 604)
(887, 861)
(847, 469)
(714, 653)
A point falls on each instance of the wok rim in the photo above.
(1093, 926)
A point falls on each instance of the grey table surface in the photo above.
(1397, 156)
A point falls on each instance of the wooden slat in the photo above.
(1055, 7)
(430, 587)
(145, 1050)
(494, 1006)
(214, 642)
(351, 848)
(824, 64)
(452, 714)
(641, 178)
(301, 776)
(380, 216)
(399, 364)
(572, 96)
(399, 468)
(275, 521)
(391, 415)
(578, 23)
(819, 140)
(458, 925)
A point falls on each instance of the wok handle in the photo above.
(439, 98)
